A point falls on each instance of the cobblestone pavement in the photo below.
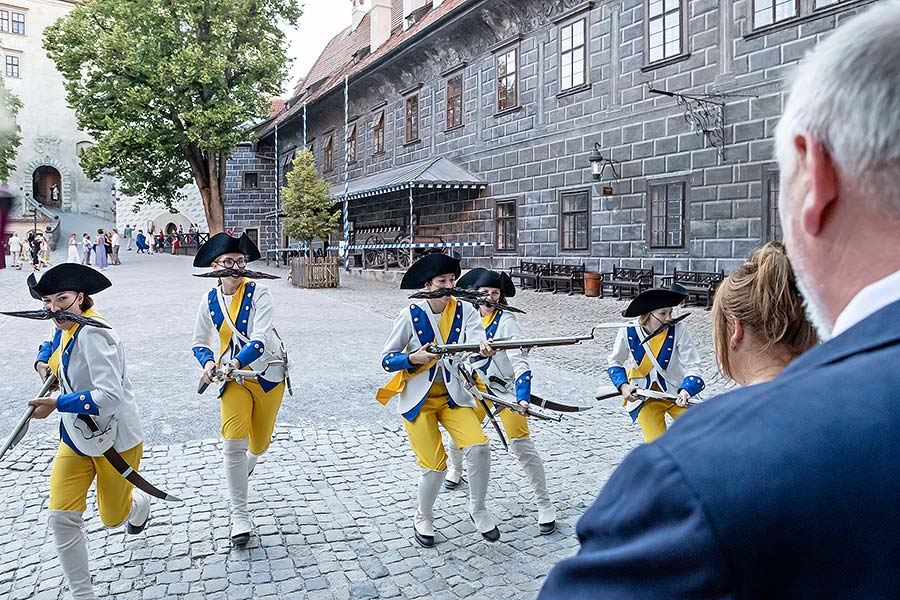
(332, 501)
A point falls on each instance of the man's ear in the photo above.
(822, 183)
(737, 332)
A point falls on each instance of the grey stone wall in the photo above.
(540, 150)
(252, 208)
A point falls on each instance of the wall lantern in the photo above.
(599, 164)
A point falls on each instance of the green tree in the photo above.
(167, 88)
(10, 138)
(307, 204)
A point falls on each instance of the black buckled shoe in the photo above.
(547, 528)
(426, 541)
(449, 484)
(241, 539)
(492, 536)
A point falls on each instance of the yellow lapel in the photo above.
(234, 311)
(55, 361)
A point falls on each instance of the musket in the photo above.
(472, 296)
(654, 396)
(663, 327)
(22, 426)
(537, 400)
(529, 411)
(522, 344)
(238, 375)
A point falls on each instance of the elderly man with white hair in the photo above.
(791, 488)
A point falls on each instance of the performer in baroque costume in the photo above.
(668, 362)
(430, 392)
(235, 329)
(506, 375)
(98, 414)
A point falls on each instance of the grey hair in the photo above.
(846, 94)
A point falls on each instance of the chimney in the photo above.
(381, 23)
(359, 11)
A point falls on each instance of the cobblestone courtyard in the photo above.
(332, 500)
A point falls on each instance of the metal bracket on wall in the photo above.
(705, 114)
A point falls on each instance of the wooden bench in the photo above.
(632, 279)
(699, 284)
(570, 277)
(529, 274)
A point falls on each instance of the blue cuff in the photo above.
(523, 387)
(693, 385)
(77, 402)
(396, 361)
(203, 355)
(44, 352)
(618, 376)
(250, 352)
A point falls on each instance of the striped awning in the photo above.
(437, 173)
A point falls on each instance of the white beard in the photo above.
(814, 311)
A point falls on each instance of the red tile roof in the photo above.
(338, 58)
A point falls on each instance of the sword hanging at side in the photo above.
(124, 469)
(469, 381)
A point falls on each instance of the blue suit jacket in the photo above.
(789, 489)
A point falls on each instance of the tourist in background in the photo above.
(74, 255)
(100, 255)
(87, 246)
(127, 234)
(759, 323)
(114, 242)
(15, 249)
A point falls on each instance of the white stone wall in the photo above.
(189, 210)
(50, 134)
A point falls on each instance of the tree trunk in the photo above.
(210, 191)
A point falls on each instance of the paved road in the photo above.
(333, 499)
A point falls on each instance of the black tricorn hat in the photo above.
(222, 243)
(68, 277)
(481, 277)
(653, 299)
(427, 268)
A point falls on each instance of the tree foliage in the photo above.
(168, 88)
(10, 132)
(307, 204)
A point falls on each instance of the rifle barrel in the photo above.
(511, 344)
(15, 436)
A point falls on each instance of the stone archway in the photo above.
(65, 179)
(46, 186)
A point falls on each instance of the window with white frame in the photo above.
(664, 29)
(767, 12)
(572, 54)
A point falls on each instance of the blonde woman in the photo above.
(759, 322)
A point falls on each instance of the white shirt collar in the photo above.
(868, 301)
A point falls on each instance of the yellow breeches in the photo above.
(652, 418)
(514, 424)
(249, 412)
(73, 474)
(461, 423)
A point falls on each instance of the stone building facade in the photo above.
(518, 92)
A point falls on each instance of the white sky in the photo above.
(321, 21)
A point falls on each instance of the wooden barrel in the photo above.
(592, 284)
